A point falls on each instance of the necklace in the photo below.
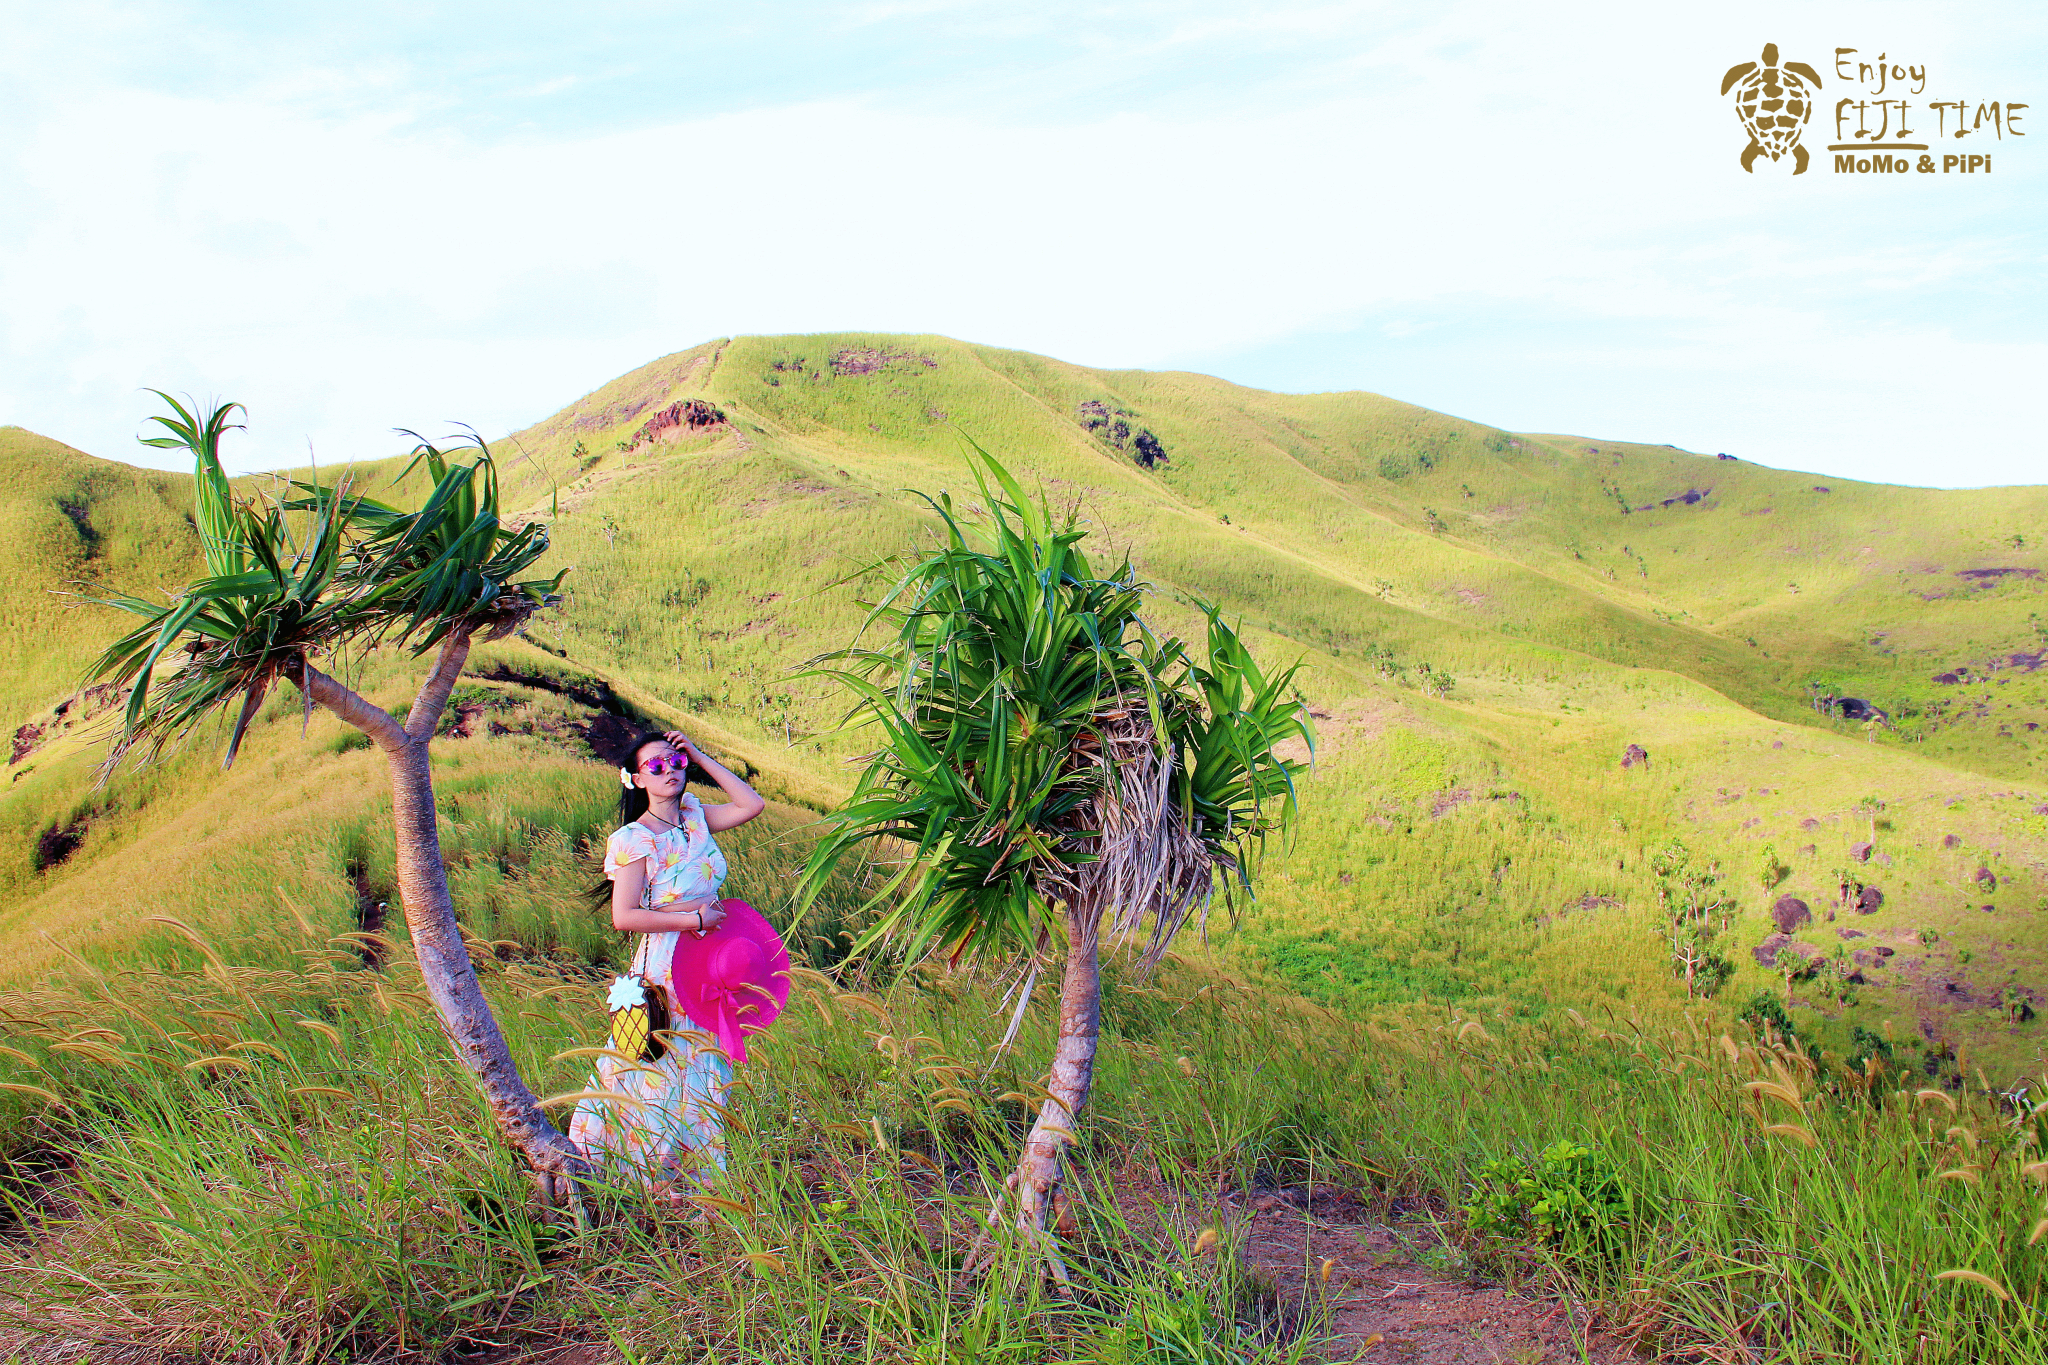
(665, 820)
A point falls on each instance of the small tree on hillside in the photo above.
(1770, 870)
(356, 573)
(1053, 770)
(1690, 892)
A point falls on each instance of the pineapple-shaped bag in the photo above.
(639, 1012)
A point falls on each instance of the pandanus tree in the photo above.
(310, 577)
(1052, 773)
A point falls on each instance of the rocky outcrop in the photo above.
(687, 418)
(858, 360)
(58, 842)
(1115, 426)
(1778, 948)
(1789, 913)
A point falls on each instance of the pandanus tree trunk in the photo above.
(1038, 1175)
(445, 965)
(1143, 868)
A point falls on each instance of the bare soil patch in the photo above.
(1384, 1305)
(73, 710)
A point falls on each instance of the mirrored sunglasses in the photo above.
(663, 763)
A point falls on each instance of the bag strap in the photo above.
(639, 963)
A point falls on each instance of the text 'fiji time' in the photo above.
(1870, 124)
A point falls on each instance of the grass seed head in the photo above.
(1977, 1278)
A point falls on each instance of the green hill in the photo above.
(1489, 620)
(67, 521)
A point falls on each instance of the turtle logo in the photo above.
(1774, 102)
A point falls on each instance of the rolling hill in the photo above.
(1489, 620)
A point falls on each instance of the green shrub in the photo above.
(1570, 1198)
(1165, 1328)
(1865, 1043)
(348, 741)
(1764, 1010)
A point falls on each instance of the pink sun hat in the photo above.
(734, 980)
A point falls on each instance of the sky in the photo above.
(363, 217)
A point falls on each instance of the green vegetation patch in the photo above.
(1324, 967)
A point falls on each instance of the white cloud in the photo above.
(326, 245)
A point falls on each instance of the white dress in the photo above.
(666, 1122)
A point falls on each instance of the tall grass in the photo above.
(282, 1162)
(238, 1158)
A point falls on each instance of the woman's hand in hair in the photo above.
(742, 802)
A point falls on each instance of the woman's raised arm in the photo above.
(743, 802)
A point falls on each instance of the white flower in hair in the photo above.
(626, 993)
(625, 777)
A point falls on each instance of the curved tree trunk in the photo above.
(450, 976)
(1037, 1178)
(445, 965)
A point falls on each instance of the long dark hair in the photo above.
(633, 798)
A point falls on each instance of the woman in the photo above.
(665, 872)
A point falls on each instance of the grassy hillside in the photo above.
(68, 521)
(1458, 989)
(1486, 629)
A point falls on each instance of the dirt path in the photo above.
(1386, 1306)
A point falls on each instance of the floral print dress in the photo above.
(666, 1121)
